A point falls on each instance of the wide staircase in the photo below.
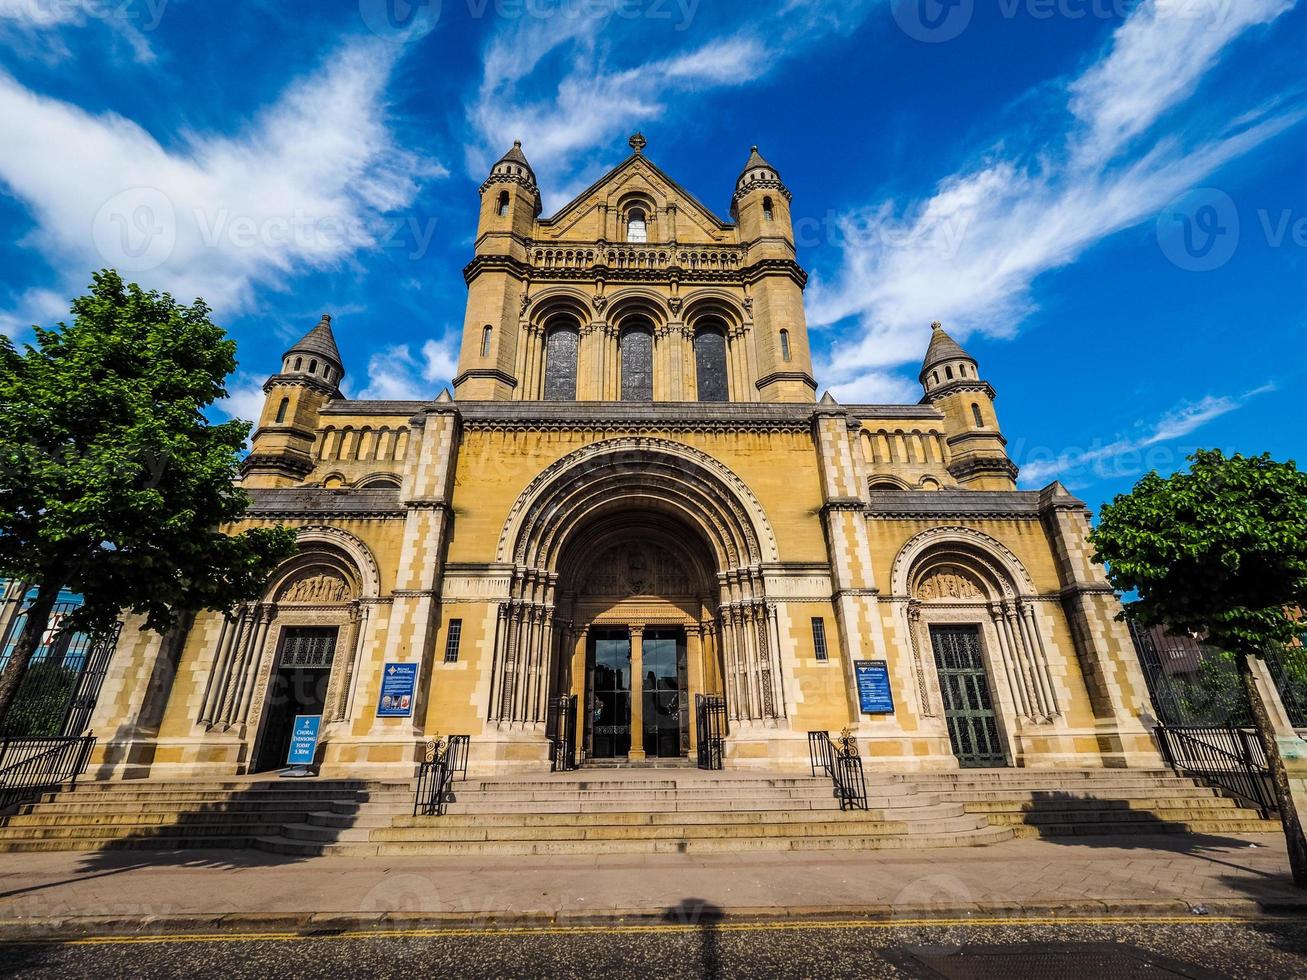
(1077, 803)
(622, 811)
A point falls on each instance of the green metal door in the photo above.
(968, 706)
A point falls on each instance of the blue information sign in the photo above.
(304, 740)
(398, 682)
(874, 694)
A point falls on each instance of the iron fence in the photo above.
(1230, 759)
(841, 762)
(59, 687)
(32, 766)
(710, 730)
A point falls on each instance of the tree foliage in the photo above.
(1219, 551)
(112, 480)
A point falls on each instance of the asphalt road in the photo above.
(1201, 948)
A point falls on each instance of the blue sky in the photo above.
(1103, 199)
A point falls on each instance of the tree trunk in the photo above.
(1293, 834)
(29, 641)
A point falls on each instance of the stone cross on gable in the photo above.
(638, 142)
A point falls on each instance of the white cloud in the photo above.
(599, 97)
(970, 253)
(395, 373)
(245, 398)
(1157, 58)
(303, 188)
(1125, 455)
(37, 21)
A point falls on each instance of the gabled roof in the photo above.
(616, 172)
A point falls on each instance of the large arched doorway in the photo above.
(638, 590)
(637, 582)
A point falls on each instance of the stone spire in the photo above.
(320, 342)
(514, 165)
(945, 352)
(757, 175)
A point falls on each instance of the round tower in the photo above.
(952, 383)
(281, 449)
(761, 207)
(510, 204)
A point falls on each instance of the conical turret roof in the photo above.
(320, 341)
(942, 348)
(516, 156)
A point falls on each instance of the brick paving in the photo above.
(59, 892)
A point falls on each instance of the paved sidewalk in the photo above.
(201, 891)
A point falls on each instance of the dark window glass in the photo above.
(637, 364)
(975, 414)
(710, 366)
(785, 345)
(819, 637)
(503, 203)
(281, 409)
(767, 211)
(560, 363)
(451, 642)
(486, 333)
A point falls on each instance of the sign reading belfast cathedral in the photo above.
(634, 496)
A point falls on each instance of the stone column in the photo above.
(580, 685)
(637, 693)
(694, 678)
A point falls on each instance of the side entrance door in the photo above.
(968, 704)
(299, 687)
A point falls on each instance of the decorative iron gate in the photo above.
(968, 705)
(59, 688)
(710, 730)
(560, 729)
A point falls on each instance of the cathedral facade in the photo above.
(634, 500)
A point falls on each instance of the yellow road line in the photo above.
(654, 928)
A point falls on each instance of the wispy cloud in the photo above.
(303, 188)
(1123, 455)
(970, 253)
(37, 23)
(395, 372)
(601, 93)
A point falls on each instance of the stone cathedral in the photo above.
(634, 496)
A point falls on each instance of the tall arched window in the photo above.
(313, 367)
(501, 208)
(560, 361)
(710, 364)
(636, 228)
(487, 332)
(281, 410)
(768, 212)
(975, 414)
(637, 363)
(785, 345)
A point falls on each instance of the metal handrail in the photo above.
(1191, 750)
(444, 757)
(40, 765)
(840, 761)
(562, 733)
(710, 722)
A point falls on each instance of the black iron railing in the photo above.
(444, 758)
(560, 728)
(840, 761)
(710, 730)
(32, 766)
(1229, 759)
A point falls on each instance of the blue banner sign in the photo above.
(874, 694)
(398, 682)
(304, 740)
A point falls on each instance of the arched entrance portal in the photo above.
(639, 592)
(637, 582)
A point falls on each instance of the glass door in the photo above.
(666, 724)
(609, 716)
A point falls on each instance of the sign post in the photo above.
(303, 746)
(398, 682)
(874, 694)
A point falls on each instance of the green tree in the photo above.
(112, 481)
(1219, 552)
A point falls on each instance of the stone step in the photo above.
(705, 793)
(94, 834)
(1209, 827)
(638, 806)
(1097, 803)
(566, 822)
(1131, 818)
(1130, 795)
(187, 806)
(987, 835)
(207, 797)
(173, 818)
